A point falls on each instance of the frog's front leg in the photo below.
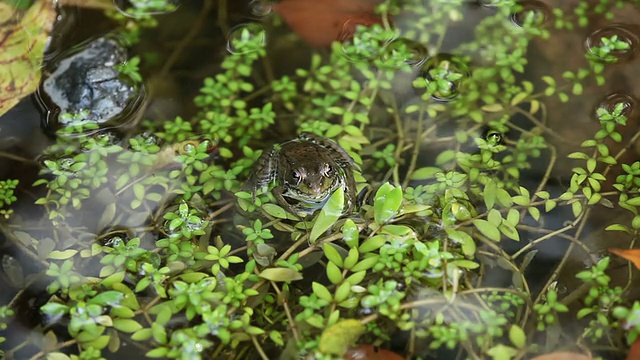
(278, 192)
(265, 171)
(351, 188)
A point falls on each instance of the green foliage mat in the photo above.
(158, 243)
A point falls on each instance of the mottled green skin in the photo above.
(306, 170)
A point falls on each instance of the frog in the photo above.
(306, 171)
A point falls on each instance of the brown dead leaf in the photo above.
(632, 255)
(23, 37)
(563, 355)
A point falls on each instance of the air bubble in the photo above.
(444, 75)
(403, 49)
(622, 32)
(260, 8)
(365, 46)
(531, 13)
(246, 38)
(610, 102)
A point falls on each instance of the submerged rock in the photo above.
(88, 82)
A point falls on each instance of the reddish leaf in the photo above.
(370, 352)
(563, 355)
(632, 255)
(320, 22)
(634, 352)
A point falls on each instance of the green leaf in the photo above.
(61, 255)
(372, 244)
(127, 325)
(57, 356)
(494, 217)
(332, 255)
(535, 213)
(111, 298)
(321, 291)
(490, 194)
(509, 231)
(276, 337)
(159, 333)
(342, 292)
(157, 353)
(366, 264)
(387, 202)
(576, 208)
(164, 315)
(334, 273)
(330, 212)
(487, 229)
(350, 233)
(280, 274)
(351, 259)
(425, 173)
(618, 227)
(634, 201)
(549, 205)
(517, 337)
(275, 211)
(465, 240)
(502, 352)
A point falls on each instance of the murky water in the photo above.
(127, 191)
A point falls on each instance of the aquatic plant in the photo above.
(158, 242)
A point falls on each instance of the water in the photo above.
(400, 103)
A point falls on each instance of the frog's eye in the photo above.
(327, 169)
(295, 175)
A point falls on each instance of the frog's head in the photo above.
(314, 180)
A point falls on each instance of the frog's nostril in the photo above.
(314, 187)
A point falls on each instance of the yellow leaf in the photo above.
(339, 337)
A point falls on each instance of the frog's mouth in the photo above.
(312, 196)
(315, 194)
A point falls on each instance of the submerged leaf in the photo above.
(22, 45)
